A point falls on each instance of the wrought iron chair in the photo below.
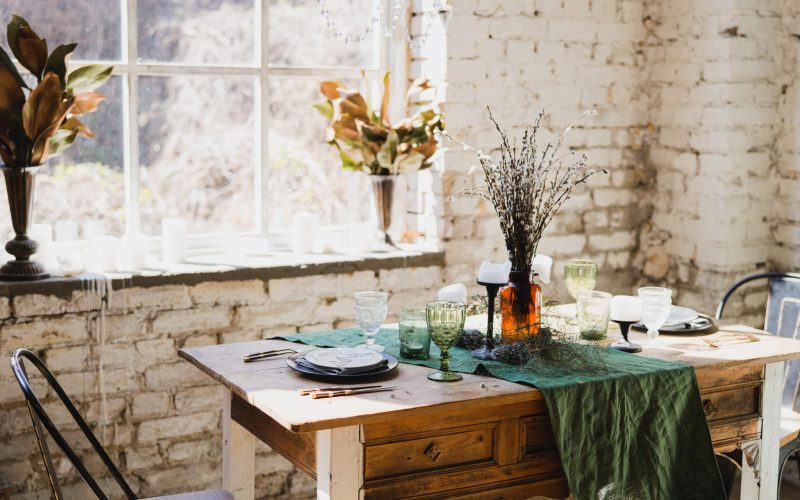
(783, 319)
(42, 422)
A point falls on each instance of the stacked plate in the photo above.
(682, 320)
(342, 362)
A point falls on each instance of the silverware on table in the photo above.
(306, 392)
(348, 392)
(257, 356)
(339, 371)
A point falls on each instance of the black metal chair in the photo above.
(42, 422)
(783, 319)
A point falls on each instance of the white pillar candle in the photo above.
(494, 272)
(173, 240)
(132, 252)
(454, 293)
(304, 226)
(360, 239)
(103, 254)
(65, 230)
(92, 228)
(42, 234)
(625, 308)
(542, 265)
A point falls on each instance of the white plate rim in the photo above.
(320, 357)
(689, 315)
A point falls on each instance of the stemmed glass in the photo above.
(445, 322)
(656, 304)
(580, 275)
(371, 310)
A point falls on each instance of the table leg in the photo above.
(340, 464)
(760, 474)
(238, 454)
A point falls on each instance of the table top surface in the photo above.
(271, 386)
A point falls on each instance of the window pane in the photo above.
(197, 31)
(315, 44)
(86, 182)
(197, 152)
(95, 25)
(305, 173)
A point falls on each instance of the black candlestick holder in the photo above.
(625, 345)
(487, 351)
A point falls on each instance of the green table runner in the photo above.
(634, 431)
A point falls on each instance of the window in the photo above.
(207, 115)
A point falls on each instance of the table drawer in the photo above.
(536, 436)
(468, 446)
(732, 402)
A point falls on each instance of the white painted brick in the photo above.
(39, 333)
(182, 321)
(171, 427)
(229, 292)
(162, 297)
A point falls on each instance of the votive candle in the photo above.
(173, 240)
(454, 293)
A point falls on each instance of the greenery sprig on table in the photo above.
(368, 141)
(39, 121)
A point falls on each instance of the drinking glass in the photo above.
(656, 304)
(371, 312)
(445, 322)
(415, 340)
(593, 310)
(580, 275)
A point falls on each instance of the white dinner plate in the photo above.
(678, 314)
(344, 358)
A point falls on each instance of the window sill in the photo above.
(228, 267)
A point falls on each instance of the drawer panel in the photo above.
(467, 447)
(732, 402)
(727, 435)
(708, 378)
(536, 436)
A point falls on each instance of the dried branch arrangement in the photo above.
(528, 185)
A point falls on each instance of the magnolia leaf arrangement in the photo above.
(39, 121)
(367, 141)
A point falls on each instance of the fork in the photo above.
(257, 356)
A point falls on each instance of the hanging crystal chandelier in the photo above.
(389, 24)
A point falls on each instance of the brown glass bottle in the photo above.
(520, 306)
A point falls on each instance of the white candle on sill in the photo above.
(625, 308)
(495, 273)
(42, 234)
(454, 293)
(132, 252)
(304, 228)
(65, 230)
(173, 240)
(103, 254)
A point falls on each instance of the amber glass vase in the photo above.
(521, 306)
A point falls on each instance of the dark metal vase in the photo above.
(383, 190)
(19, 186)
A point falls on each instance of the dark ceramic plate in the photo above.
(391, 364)
(699, 324)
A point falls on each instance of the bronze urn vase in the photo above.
(383, 193)
(20, 189)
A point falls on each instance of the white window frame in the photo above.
(392, 54)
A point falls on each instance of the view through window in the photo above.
(207, 115)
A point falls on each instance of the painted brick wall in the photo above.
(163, 415)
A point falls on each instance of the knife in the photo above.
(306, 392)
(347, 392)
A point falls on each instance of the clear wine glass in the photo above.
(580, 275)
(371, 310)
(656, 304)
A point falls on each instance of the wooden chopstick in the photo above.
(306, 392)
(347, 392)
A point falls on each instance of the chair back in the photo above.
(782, 319)
(42, 422)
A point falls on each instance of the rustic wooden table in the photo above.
(478, 438)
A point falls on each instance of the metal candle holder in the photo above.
(625, 345)
(487, 351)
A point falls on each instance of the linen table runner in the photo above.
(634, 430)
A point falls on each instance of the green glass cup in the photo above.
(445, 323)
(580, 275)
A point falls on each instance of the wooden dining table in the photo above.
(478, 438)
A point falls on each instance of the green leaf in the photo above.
(5, 61)
(88, 78)
(57, 61)
(12, 30)
(410, 162)
(61, 140)
(347, 162)
(325, 108)
(388, 151)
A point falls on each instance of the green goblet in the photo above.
(445, 322)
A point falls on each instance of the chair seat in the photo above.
(197, 495)
(790, 426)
